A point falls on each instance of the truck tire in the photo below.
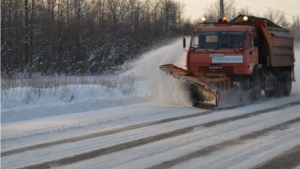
(286, 83)
(270, 93)
(283, 87)
(255, 88)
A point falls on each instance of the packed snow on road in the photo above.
(142, 118)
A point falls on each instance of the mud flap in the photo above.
(202, 93)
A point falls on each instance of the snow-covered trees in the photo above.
(81, 36)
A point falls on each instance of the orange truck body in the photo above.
(265, 61)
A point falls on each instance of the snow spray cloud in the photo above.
(164, 87)
(296, 85)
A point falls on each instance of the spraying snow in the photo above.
(166, 88)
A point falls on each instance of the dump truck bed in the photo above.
(276, 44)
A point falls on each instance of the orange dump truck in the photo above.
(248, 53)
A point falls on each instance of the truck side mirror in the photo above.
(184, 44)
(256, 41)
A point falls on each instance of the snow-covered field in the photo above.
(148, 123)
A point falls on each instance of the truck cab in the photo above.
(223, 49)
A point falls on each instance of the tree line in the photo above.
(86, 37)
(81, 36)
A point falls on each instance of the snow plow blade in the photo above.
(202, 94)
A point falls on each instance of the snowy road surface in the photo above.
(155, 135)
(101, 128)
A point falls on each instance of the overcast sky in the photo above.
(195, 8)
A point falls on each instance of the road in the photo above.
(152, 135)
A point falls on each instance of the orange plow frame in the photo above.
(202, 80)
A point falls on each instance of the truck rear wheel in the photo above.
(255, 88)
(270, 93)
(285, 83)
(283, 86)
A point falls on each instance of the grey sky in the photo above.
(195, 8)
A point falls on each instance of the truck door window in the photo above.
(195, 41)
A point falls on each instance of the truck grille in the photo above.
(226, 70)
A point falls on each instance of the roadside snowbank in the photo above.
(26, 103)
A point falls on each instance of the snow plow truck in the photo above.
(249, 53)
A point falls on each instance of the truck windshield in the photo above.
(219, 40)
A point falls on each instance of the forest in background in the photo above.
(89, 37)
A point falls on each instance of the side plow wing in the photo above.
(201, 92)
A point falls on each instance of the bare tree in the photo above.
(244, 11)
(276, 16)
(295, 28)
(26, 40)
(213, 11)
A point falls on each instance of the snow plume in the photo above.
(296, 85)
(162, 86)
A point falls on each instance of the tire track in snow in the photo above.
(98, 121)
(232, 142)
(103, 133)
(288, 159)
(110, 119)
(146, 140)
(123, 129)
(114, 131)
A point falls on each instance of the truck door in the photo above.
(253, 51)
